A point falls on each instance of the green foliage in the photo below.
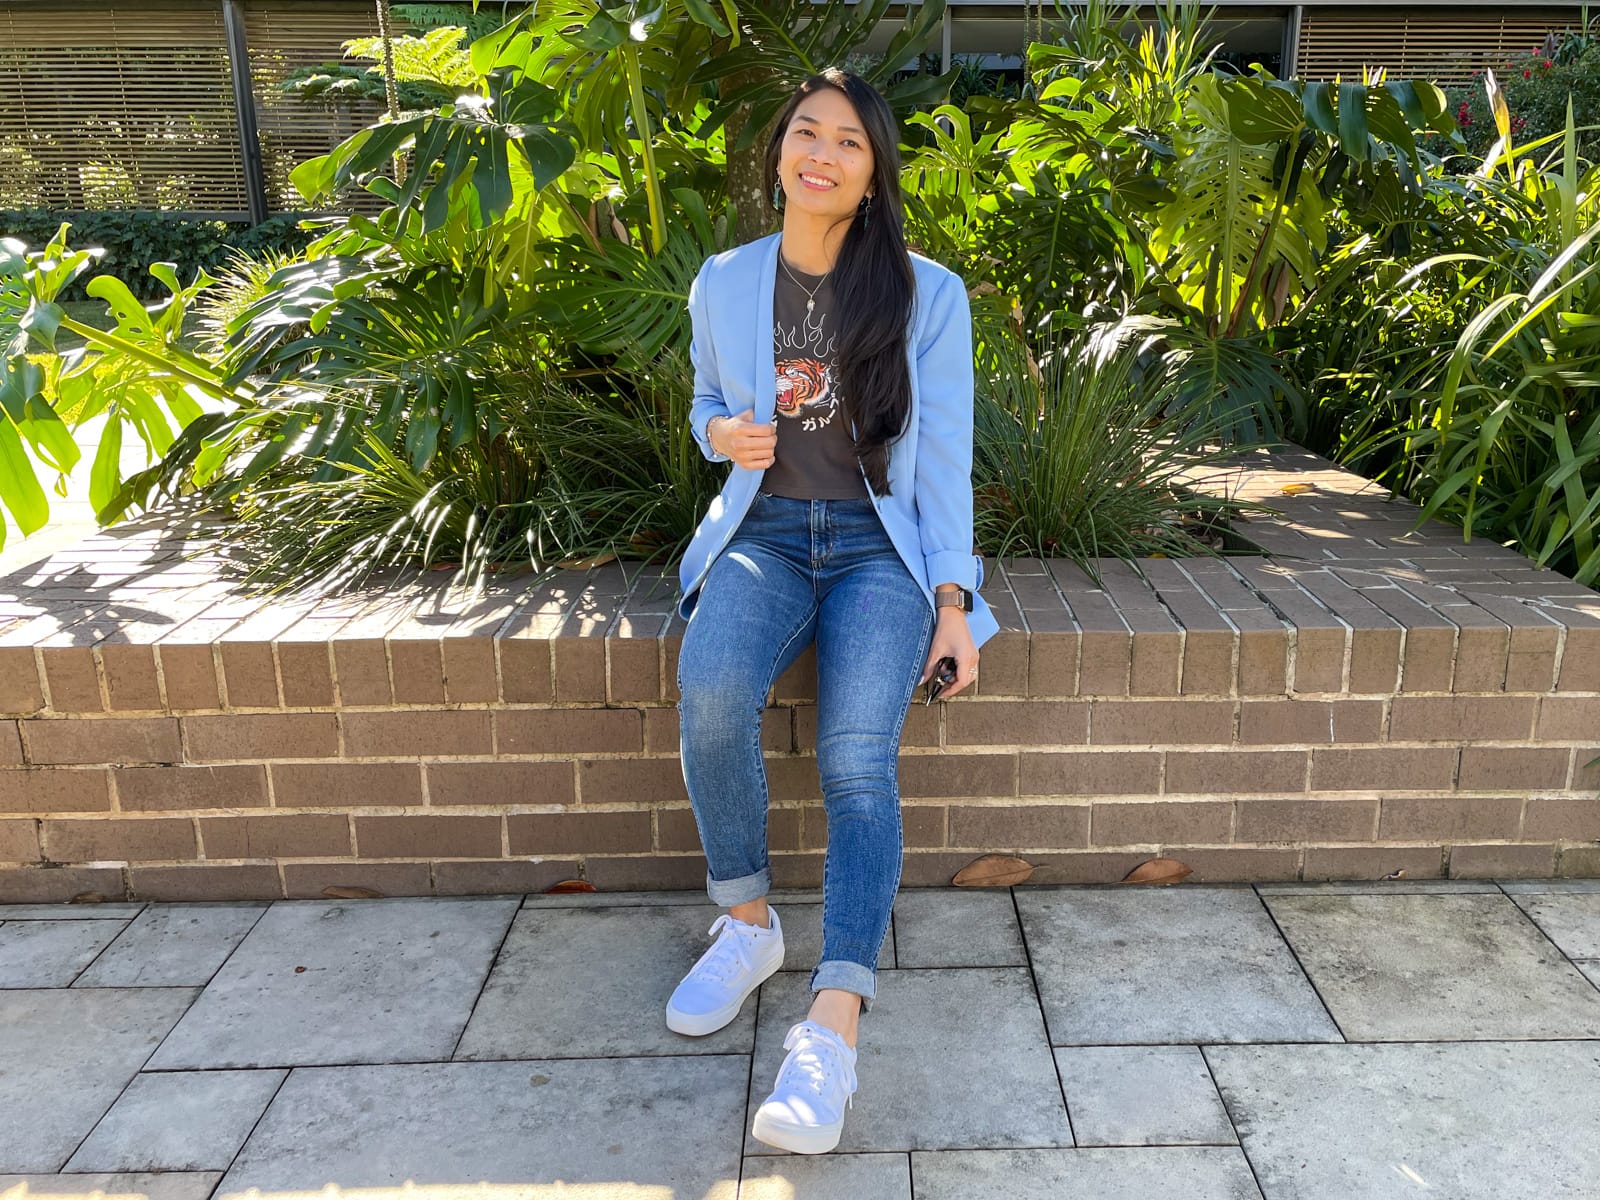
(1536, 87)
(133, 240)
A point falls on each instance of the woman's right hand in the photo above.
(750, 445)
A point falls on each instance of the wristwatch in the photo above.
(960, 598)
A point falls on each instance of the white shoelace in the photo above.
(822, 1053)
(717, 962)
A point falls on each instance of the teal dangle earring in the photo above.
(866, 213)
(777, 196)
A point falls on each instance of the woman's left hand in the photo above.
(952, 638)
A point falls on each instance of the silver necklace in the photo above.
(811, 293)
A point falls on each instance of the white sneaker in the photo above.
(817, 1082)
(738, 962)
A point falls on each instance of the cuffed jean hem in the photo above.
(728, 892)
(848, 976)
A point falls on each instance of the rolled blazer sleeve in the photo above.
(708, 401)
(944, 438)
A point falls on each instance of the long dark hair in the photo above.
(873, 282)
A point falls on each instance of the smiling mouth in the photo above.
(816, 181)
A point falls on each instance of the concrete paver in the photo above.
(1071, 1040)
(1436, 968)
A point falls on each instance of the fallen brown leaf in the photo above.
(351, 893)
(570, 885)
(88, 898)
(1159, 870)
(993, 870)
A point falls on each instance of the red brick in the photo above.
(1461, 718)
(1302, 722)
(306, 669)
(633, 668)
(250, 736)
(249, 674)
(1004, 665)
(964, 775)
(1152, 822)
(189, 674)
(308, 881)
(1235, 771)
(345, 785)
(299, 835)
(1481, 654)
(1503, 861)
(569, 731)
(1562, 818)
(1019, 722)
(55, 789)
(1312, 820)
(1263, 662)
(500, 877)
(923, 824)
(362, 665)
(1118, 772)
(1105, 662)
(1235, 864)
(10, 745)
(49, 884)
(174, 789)
(19, 841)
(1374, 661)
(456, 835)
(1516, 768)
(201, 882)
(643, 781)
(1053, 663)
(20, 693)
(1372, 862)
(469, 670)
(525, 676)
(579, 833)
(74, 683)
(1580, 660)
(416, 733)
(1019, 827)
(1161, 722)
(1157, 662)
(109, 740)
(417, 670)
(114, 840)
(130, 673)
(580, 668)
(1568, 718)
(1208, 656)
(1337, 769)
(1411, 819)
(500, 783)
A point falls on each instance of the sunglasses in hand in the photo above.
(944, 675)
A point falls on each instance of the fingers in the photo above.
(754, 445)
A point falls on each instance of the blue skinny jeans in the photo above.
(793, 572)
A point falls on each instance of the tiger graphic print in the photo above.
(804, 354)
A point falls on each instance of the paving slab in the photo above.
(1520, 886)
(945, 1059)
(955, 927)
(69, 912)
(51, 954)
(178, 1121)
(1378, 887)
(827, 1177)
(656, 899)
(1508, 1120)
(1569, 919)
(802, 936)
(174, 945)
(592, 982)
(599, 1129)
(1436, 968)
(344, 981)
(1134, 1173)
(65, 1056)
(1591, 969)
(1184, 965)
(166, 1185)
(1142, 1096)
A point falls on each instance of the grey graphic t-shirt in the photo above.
(815, 458)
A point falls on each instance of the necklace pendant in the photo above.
(810, 304)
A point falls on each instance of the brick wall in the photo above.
(1362, 700)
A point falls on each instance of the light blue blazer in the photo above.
(928, 513)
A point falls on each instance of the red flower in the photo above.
(1527, 74)
(1547, 64)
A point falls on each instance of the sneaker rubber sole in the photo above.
(810, 1139)
(700, 1024)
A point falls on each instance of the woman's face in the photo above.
(825, 163)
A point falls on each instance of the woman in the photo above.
(833, 369)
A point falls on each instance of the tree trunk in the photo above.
(746, 191)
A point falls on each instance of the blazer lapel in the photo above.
(766, 364)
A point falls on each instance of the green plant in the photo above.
(1074, 458)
